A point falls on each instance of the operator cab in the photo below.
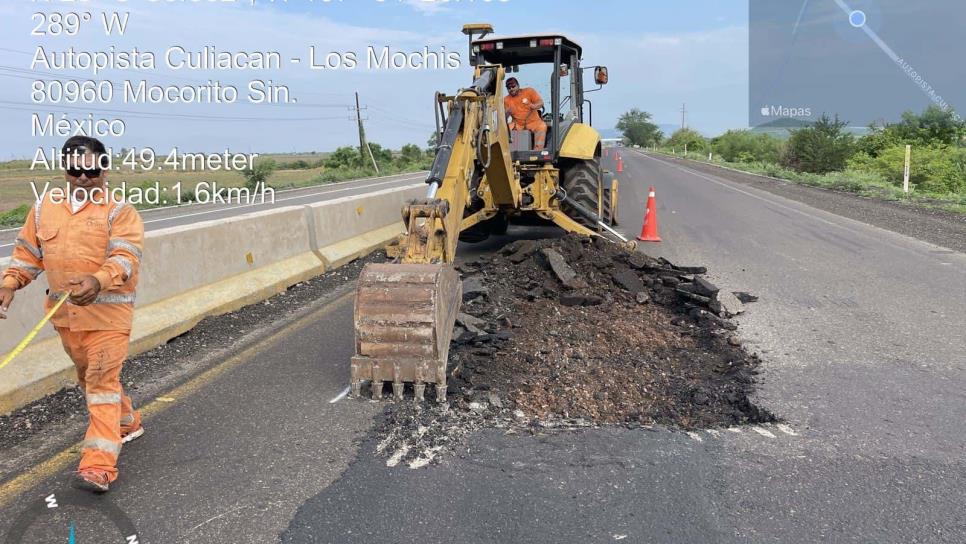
(549, 64)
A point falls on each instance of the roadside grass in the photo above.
(14, 217)
(867, 184)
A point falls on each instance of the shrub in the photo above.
(259, 173)
(820, 148)
(686, 137)
(936, 169)
(344, 157)
(746, 146)
(410, 154)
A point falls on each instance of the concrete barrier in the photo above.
(208, 268)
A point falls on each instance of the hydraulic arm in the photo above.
(405, 310)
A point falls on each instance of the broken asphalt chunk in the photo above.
(473, 287)
(523, 251)
(744, 297)
(574, 299)
(725, 304)
(627, 279)
(704, 287)
(562, 270)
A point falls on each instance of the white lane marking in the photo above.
(220, 209)
(695, 436)
(402, 177)
(776, 202)
(340, 396)
(216, 210)
(752, 195)
(786, 429)
(764, 432)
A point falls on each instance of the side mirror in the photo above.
(600, 75)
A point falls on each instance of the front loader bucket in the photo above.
(404, 317)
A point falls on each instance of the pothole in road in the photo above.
(571, 333)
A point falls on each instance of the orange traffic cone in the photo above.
(620, 164)
(605, 152)
(649, 228)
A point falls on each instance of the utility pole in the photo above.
(684, 112)
(363, 146)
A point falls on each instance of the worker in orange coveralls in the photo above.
(91, 246)
(522, 106)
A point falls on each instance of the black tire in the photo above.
(608, 208)
(475, 234)
(498, 224)
(479, 232)
(583, 182)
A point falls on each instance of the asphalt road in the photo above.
(159, 218)
(862, 335)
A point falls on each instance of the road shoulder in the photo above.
(932, 225)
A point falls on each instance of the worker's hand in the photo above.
(535, 107)
(84, 290)
(6, 297)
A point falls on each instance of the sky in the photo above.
(660, 55)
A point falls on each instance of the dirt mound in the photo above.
(570, 332)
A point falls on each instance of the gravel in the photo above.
(614, 344)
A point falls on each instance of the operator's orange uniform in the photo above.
(524, 118)
(102, 239)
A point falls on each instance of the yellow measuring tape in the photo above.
(33, 332)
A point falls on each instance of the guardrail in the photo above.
(208, 268)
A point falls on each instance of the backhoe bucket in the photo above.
(404, 318)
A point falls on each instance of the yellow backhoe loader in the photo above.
(482, 178)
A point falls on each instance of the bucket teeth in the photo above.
(441, 393)
(356, 389)
(404, 317)
(419, 390)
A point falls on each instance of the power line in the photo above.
(388, 116)
(157, 115)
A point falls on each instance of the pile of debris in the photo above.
(573, 331)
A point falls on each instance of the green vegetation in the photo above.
(746, 146)
(257, 175)
(826, 154)
(279, 171)
(14, 217)
(638, 128)
(688, 139)
(821, 148)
